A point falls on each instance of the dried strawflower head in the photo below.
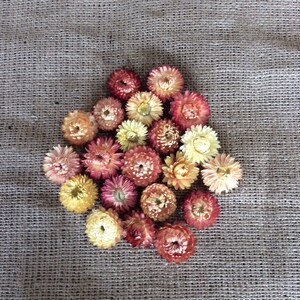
(200, 144)
(175, 242)
(123, 83)
(189, 109)
(61, 163)
(164, 136)
(139, 229)
(142, 165)
(144, 107)
(201, 209)
(79, 127)
(158, 202)
(222, 174)
(130, 134)
(108, 113)
(78, 194)
(104, 228)
(102, 158)
(119, 193)
(165, 82)
(179, 172)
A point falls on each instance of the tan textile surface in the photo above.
(56, 55)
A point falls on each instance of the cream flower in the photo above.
(200, 144)
(131, 133)
(179, 172)
(103, 228)
(221, 174)
(144, 107)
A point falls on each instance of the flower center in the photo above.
(189, 112)
(201, 144)
(132, 137)
(223, 171)
(119, 195)
(144, 109)
(77, 192)
(180, 170)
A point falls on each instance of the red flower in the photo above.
(189, 109)
(175, 243)
(102, 158)
(201, 209)
(142, 165)
(164, 136)
(123, 83)
(139, 229)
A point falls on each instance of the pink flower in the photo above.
(165, 82)
(119, 193)
(102, 158)
(61, 163)
(189, 109)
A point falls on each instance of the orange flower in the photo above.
(79, 127)
(179, 171)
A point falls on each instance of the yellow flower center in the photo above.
(132, 136)
(200, 211)
(180, 170)
(144, 109)
(223, 171)
(77, 192)
(201, 144)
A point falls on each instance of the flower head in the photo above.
(61, 163)
(102, 158)
(123, 83)
(142, 165)
(79, 127)
(103, 228)
(158, 202)
(222, 173)
(139, 229)
(189, 109)
(179, 172)
(200, 144)
(131, 133)
(119, 193)
(78, 194)
(165, 82)
(201, 209)
(175, 242)
(144, 107)
(108, 113)
(164, 136)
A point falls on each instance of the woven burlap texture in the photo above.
(242, 55)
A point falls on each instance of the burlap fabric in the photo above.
(243, 55)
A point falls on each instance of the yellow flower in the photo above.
(200, 144)
(179, 172)
(144, 107)
(130, 134)
(78, 194)
(103, 228)
(221, 174)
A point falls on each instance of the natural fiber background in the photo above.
(56, 55)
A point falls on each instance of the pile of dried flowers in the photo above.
(136, 168)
